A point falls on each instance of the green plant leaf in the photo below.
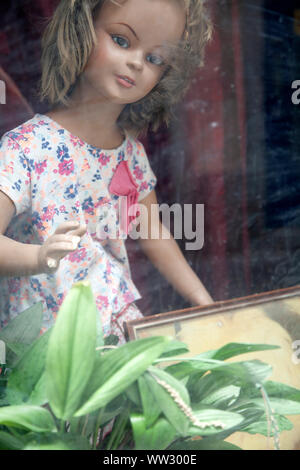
(250, 412)
(116, 370)
(261, 426)
(151, 409)
(71, 350)
(247, 411)
(279, 405)
(114, 408)
(9, 442)
(32, 418)
(19, 349)
(243, 372)
(156, 437)
(212, 419)
(235, 349)
(203, 444)
(273, 389)
(3, 402)
(38, 396)
(174, 348)
(132, 392)
(228, 351)
(28, 371)
(254, 372)
(205, 386)
(25, 328)
(20, 333)
(280, 390)
(177, 385)
(55, 442)
(222, 397)
(194, 365)
(86, 426)
(172, 410)
(189, 367)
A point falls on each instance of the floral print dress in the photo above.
(53, 176)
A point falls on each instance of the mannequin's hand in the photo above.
(64, 240)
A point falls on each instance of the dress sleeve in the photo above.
(141, 170)
(14, 173)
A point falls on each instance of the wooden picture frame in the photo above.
(279, 305)
(266, 318)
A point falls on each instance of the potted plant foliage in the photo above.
(70, 388)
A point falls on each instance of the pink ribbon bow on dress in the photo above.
(123, 184)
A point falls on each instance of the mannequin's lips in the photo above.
(126, 81)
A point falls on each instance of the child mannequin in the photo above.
(106, 65)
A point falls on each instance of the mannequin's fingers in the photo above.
(64, 238)
(78, 232)
(61, 242)
(61, 249)
(67, 226)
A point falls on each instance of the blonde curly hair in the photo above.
(69, 40)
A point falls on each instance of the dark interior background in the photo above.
(234, 146)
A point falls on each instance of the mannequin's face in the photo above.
(130, 44)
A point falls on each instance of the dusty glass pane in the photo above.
(234, 147)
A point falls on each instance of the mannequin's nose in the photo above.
(135, 60)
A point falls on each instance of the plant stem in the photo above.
(113, 433)
(96, 432)
(270, 418)
(118, 430)
(62, 426)
(125, 440)
(101, 434)
(74, 426)
(84, 425)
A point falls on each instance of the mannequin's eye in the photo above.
(155, 59)
(122, 42)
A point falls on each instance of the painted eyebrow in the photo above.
(133, 32)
